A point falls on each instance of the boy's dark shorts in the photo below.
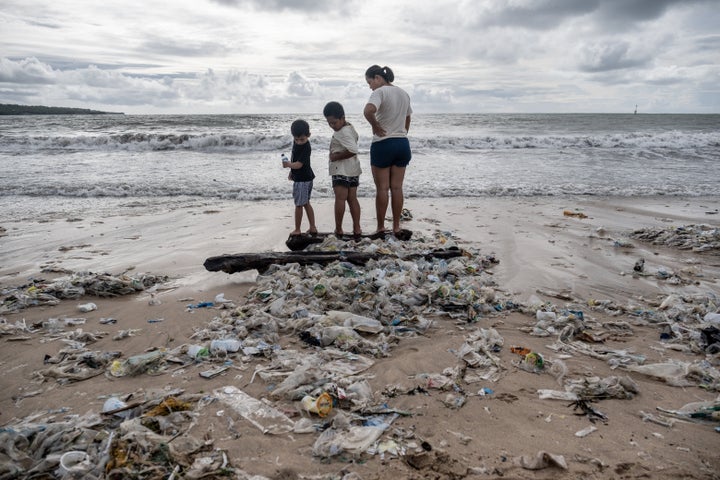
(391, 152)
(302, 192)
(345, 181)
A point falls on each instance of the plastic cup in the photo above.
(74, 462)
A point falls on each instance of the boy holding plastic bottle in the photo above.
(344, 167)
(302, 175)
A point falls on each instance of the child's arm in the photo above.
(337, 156)
(299, 158)
(345, 144)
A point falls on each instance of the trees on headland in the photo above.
(10, 109)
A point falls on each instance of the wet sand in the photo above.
(544, 254)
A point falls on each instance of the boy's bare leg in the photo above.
(354, 205)
(311, 218)
(298, 220)
(341, 196)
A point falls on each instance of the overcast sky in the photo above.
(292, 56)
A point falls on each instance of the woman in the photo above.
(388, 112)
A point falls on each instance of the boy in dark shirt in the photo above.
(301, 174)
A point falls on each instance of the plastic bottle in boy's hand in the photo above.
(285, 159)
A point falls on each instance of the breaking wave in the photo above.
(245, 142)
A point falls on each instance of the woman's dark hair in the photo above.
(300, 127)
(334, 109)
(384, 72)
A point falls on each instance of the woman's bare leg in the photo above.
(397, 175)
(381, 176)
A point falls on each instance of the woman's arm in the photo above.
(369, 113)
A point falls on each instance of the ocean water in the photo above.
(66, 164)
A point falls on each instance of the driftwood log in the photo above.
(241, 262)
(299, 242)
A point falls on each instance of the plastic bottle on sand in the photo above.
(225, 345)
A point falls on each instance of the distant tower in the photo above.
(635, 112)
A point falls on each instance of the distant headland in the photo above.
(9, 109)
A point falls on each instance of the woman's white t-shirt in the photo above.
(393, 106)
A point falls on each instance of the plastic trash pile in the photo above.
(76, 285)
(698, 238)
(140, 440)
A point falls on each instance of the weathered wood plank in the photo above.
(241, 262)
(300, 242)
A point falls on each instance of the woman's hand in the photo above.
(369, 113)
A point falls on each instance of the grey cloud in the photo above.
(128, 96)
(18, 95)
(639, 10)
(541, 14)
(62, 64)
(674, 80)
(299, 85)
(710, 43)
(300, 5)
(607, 57)
(229, 88)
(432, 95)
(35, 23)
(26, 71)
(88, 84)
(546, 14)
(184, 48)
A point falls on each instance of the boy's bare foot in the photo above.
(338, 233)
(312, 231)
(294, 233)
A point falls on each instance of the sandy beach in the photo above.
(573, 254)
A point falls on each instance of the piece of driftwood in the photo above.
(300, 242)
(241, 262)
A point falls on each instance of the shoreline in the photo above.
(561, 261)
